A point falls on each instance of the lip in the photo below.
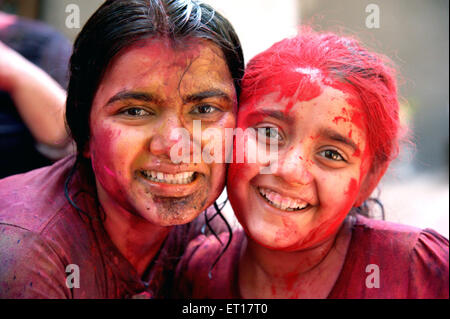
(170, 168)
(278, 211)
(171, 190)
(285, 193)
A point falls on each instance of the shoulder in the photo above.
(195, 272)
(41, 234)
(31, 200)
(402, 240)
(382, 238)
(31, 267)
(409, 262)
(429, 268)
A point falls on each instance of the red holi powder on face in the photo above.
(352, 187)
(292, 85)
(358, 119)
(338, 118)
(288, 107)
(109, 171)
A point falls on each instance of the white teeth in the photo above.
(282, 202)
(181, 178)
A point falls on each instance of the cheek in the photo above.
(338, 194)
(238, 185)
(217, 180)
(109, 154)
(236, 176)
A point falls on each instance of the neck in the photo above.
(311, 273)
(137, 239)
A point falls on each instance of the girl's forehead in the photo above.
(322, 98)
(299, 83)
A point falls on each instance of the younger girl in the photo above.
(331, 107)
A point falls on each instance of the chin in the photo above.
(278, 238)
(169, 218)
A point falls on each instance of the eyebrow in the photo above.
(333, 135)
(131, 95)
(279, 115)
(148, 97)
(197, 97)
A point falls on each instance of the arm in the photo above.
(39, 99)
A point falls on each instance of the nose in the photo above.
(163, 138)
(294, 167)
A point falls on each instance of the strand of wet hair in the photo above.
(365, 210)
(230, 237)
(71, 202)
(207, 220)
(378, 202)
(66, 190)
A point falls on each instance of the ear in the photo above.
(370, 183)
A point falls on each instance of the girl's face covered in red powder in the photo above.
(320, 165)
(148, 91)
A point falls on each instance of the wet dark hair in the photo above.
(117, 25)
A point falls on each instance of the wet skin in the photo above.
(149, 90)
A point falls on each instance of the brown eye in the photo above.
(271, 133)
(135, 112)
(332, 155)
(204, 109)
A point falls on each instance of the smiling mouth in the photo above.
(281, 202)
(177, 179)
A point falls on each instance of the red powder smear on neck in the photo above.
(274, 290)
(290, 279)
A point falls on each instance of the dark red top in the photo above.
(412, 263)
(41, 234)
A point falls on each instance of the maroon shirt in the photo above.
(41, 234)
(412, 263)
